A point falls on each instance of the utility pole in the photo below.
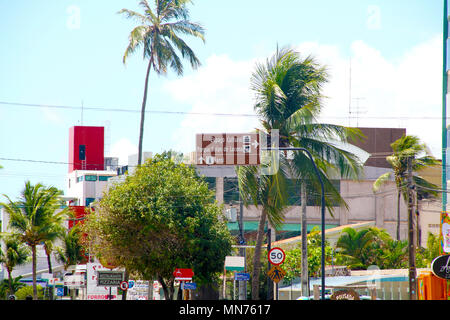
(411, 244)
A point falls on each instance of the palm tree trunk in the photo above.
(11, 291)
(304, 275)
(33, 252)
(257, 256)
(144, 102)
(50, 270)
(398, 215)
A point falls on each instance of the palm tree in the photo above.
(288, 98)
(32, 218)
(403, 148)
(72, 251)
(158, 34)
(353, 247)
(15, 254)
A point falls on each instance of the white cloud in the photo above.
(220, 86)
(385, 93)
(122, 149)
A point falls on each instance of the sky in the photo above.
(384, 59)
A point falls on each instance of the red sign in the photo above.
(276, 256)
(183, 274)
(227, 149)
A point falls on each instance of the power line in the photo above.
(127, 110)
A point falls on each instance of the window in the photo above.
(90, 177)
(79, 179)
(89, 201)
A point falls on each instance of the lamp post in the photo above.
(322, 210)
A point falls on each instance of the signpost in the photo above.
(276, 256)
(109, 278)
(276, 273)
(183, 274)
(227, 149)
(441, 267)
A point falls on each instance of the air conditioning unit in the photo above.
(231, 214)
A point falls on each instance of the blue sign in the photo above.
(60, 292)
(189, 285)
(242, 276)
(130, 284)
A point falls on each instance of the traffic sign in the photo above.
(227, 149)
(183, 274)
(242, 276)
(189, 285)
(109, 278)
(276, 256)
(276, 273)
(124, 285)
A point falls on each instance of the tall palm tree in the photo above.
(289, 99)
(32, 218)
(403, 148)
(15, 254)
(158, 33)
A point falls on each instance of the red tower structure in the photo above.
(86, 148)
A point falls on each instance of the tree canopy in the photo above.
(160, 218)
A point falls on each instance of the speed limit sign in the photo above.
(276, 256)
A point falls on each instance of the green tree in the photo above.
(403, 148)
(33, 218)
(161, 218)
(15, 254)
(289, 99)
(72, 251)
(7, 284)
(158, 33)
(395, 255)
(358, 249)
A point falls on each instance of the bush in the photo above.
(22, 293)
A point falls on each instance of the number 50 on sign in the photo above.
(276, 256)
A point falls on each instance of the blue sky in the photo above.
(69, 53)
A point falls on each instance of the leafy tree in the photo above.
(15, 254)
(403, 148)
(10, 286)
(360, 249)
(161, 218)
(34, 219)
(288, 99)
(72, 251)
(158, 34)
(27, 291)
(395, 255)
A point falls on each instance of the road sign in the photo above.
(124, 285)
(109, 278)
(276, 273)
(242, 276)
(276, 256)
(234, 263)
(225, 149)
(183, 274)
(189, 285)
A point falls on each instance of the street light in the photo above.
(322, 213)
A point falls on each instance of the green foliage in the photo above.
(373, 246)
(161, 218)
(293, 261)
(27, 291)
